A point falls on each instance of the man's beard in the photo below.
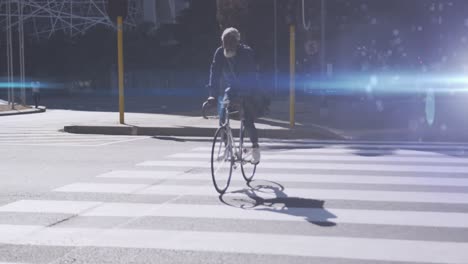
(229, 53)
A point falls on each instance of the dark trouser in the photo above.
(36, 98)
(247, 111)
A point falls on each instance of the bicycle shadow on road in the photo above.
(270, 197)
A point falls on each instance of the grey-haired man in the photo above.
(234, 64)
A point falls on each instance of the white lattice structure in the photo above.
(43, 18)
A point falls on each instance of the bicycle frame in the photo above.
(231, 142)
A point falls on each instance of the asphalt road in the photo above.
(68, 198)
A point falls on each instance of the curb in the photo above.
(299, 133)
(23, 112)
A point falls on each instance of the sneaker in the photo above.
(255, 155)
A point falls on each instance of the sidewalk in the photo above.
(191, 123)
(343, 119)
(5, 109)
(180, 125)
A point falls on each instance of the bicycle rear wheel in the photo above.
(247, 167)
(222, 160)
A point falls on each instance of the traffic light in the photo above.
(291, 12)
(117, 8)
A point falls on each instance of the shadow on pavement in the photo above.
(285, 147)
(311, 210)
(363, 153)
(185, 139)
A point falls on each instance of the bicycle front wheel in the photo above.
(248, 169)
(222, 160)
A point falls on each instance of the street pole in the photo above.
(9, 47)
(322, 33)
(292, 81)
(121, 68)
(21, 43)
(275, 33)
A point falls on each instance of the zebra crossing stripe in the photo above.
(127, 174)
(261, 213)
(358, 146)
(12, 263)
(102, 188)
(49, 206)
(297, 177)
(364, 152)
(310, 193)
(63, 140)
(366, 142)
(53, 140)
(11, 232)
(295, 157)
(319, 166)
(269, 244)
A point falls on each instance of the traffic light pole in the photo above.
(121, 68)
(10, 68)
(292, 78)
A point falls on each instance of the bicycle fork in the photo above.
(236, 150)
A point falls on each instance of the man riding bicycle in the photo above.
(234, 65)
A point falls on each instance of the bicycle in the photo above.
(227, 155)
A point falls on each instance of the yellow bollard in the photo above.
(121, 68)
(292, 80)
